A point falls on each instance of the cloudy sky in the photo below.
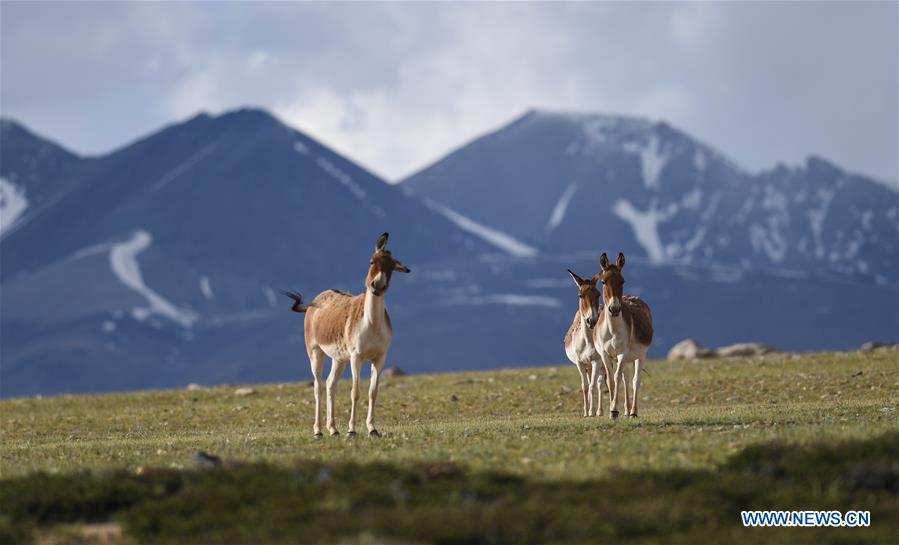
(397, 85)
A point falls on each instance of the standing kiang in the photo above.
(623, 334)
(350, 329)
(579, 345)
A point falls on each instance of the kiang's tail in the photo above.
(297, 301)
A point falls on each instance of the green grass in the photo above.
(703, 447)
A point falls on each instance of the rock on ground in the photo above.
(203, 460)
(873, 346)
(689, 349)
(744, 350)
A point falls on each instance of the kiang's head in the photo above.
(613, 282)
(381, 268)
(588, 298)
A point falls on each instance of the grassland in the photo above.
(509, 446)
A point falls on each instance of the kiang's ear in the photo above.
(620, 261)
(604, 261)
(596, 278)
(382, 242)
(399, 267)
(577, 279)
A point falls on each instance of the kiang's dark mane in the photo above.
(341, 292)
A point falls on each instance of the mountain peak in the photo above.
(244, 118)
(14, 133)
(581, 118)
(820, 164)
(248, 114)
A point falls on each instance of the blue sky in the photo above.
(397, 85)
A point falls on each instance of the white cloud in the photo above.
(696, 24)
(396, 85)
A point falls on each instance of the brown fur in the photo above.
(334, 316)
(634, 311)
(576, 326)
(587, 294)
(638, 316)
(349, 329)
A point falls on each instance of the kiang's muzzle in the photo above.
(378, 287)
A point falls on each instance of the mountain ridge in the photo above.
(665, 194)
(159, 264)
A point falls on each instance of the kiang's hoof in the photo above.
(318, 436)
(374, 433)
(350, 434)
(634, 415)
(613, 414)
(335, 433)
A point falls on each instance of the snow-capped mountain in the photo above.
(571, 182)
(158, 264)
(193, 227)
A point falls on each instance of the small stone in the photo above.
(873, 346)
(194, 386)
(689, 349)
(203, 460)
(532, 377)
(858, 373)
(243, 392)
(743, 350)
(454, 397)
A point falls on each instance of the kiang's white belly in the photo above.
(581, 350)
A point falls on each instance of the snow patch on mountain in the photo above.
(767, 236)
(816, 219)
(511, 299)
(13, 204)
(544, 283)
(592, 136)
(652, 159)
(91, 250)
(768, 240)
(206, 288)
(301, 148)
(123, 262)
(558, 213)
(699, 160)
(270, 296)
(341, 177)
(645, 225)
(499, 239)
(692, 200)
(684, 251)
